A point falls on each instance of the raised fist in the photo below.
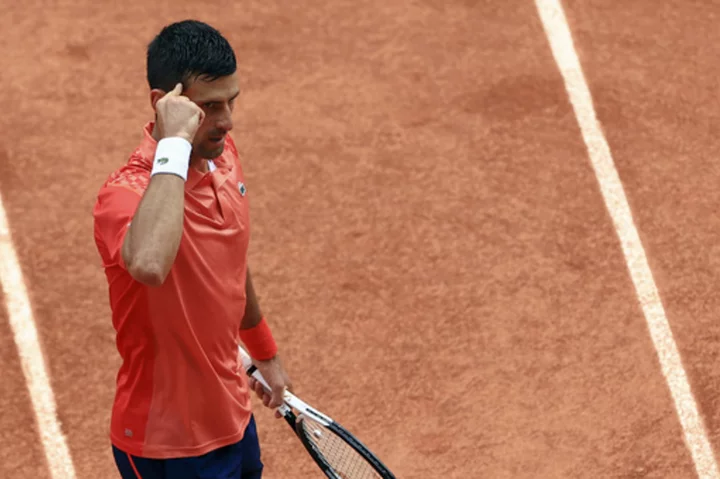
(177, 115)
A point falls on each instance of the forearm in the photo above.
(152, 241)
(252, 315)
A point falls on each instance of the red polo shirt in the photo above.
(180, 390)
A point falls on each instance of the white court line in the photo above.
(25, 333)
(560, 38)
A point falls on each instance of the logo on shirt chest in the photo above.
(242, 188)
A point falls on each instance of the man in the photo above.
(172, 229)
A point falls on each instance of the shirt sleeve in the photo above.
(112, 215)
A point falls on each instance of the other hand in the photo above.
(276, 377)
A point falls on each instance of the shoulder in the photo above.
(121, 192)
(231, 156)
(232, 151)
(133, 176)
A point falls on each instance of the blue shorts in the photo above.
(236, 461)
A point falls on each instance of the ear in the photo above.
(155, 95)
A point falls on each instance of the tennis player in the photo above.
(172, 229)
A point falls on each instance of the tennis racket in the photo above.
(338, 453)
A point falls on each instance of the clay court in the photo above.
(448, 270)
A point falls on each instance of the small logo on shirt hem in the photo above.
(241, 188)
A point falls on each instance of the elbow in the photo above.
(152, 277)
(149, 273)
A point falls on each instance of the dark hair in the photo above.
(185, 50)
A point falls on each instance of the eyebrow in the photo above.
(218, 100)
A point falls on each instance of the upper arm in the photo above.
(112, 215)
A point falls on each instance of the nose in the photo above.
(224, 121)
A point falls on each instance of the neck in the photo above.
(199, 164)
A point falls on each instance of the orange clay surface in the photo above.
(430, 244)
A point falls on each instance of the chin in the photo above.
(212, 154)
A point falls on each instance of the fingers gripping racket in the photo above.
(338, 453)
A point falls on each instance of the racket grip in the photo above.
(249, 368)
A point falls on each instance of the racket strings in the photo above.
(344, 460)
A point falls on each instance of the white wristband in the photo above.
(172, 156)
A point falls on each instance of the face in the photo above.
(217, 99)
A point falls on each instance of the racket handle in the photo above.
(249, 366)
